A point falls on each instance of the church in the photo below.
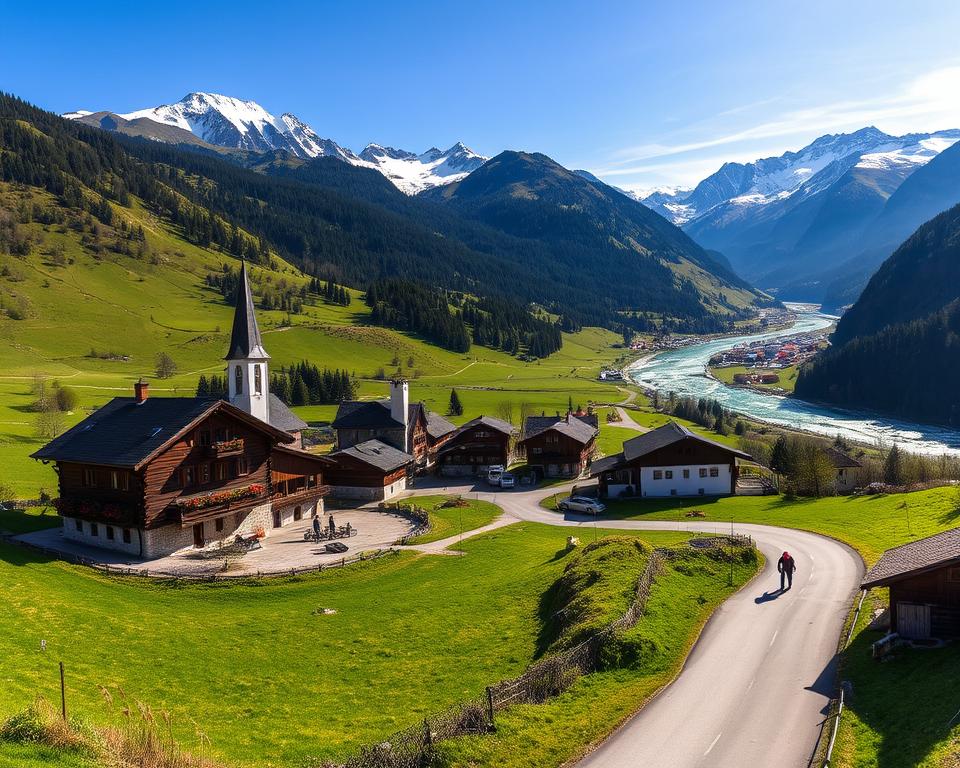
(150, 476)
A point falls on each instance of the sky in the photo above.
(641, 93)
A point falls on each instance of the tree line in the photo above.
(302, 384)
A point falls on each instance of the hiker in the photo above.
(786, 565)
(332, 526)
(316, 527)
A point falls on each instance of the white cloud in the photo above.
(926, 103)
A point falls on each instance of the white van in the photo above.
(494, 473)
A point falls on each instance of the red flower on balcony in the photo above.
(220, 497)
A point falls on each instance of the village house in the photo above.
(847, 468)
(151, 476)
(369, 471)
(559, 446)
(476, 446)
(924, 581)
(395, 421)
(669, 461)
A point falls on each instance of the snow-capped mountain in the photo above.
(230, 122)
(774, 178)
(414, 173)
(235, 123)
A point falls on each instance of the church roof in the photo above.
(245, 341)
(281, 417)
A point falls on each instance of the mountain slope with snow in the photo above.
(224, 121)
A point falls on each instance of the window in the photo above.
(242, 466)
(537, 450)
(204, 473)
(78, 524)
(118, 480)
(668, 473)
(220, 435)
(126, 535)
(89, 478)
(204, 437)
(553, 438)
(110, 532)
(481, 433)
(714, 472)
(238, 379)
(220, 470)
(703, 471)
(673, 491)
(700, 491)
(188, 476)
(658, 474)
(218, 524)
(93, 529)
(257, 381)
(686, 474)
(953, 574)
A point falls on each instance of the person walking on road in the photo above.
(786, 565)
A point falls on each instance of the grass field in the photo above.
(788, 376)
(450, 521)
(241, 659)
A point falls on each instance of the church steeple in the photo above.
(247, 379)
(245, 339)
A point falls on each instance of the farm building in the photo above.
(669, 461)
(559, 446)
(924, 581)
(371, 471)
(150, 476)
(407, 427)
(476, 446)
(848, 470)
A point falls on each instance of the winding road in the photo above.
(755, 689)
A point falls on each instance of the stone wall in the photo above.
(82, 531)
(168, 539)
(370, 493)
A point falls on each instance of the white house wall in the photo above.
(694, 485)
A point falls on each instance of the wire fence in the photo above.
(414, 747)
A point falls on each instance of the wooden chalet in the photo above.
(559, 446)
(408, 427)
(924, 581)
(475, 447)
(150, 476)
(669, 461)
(370, 471)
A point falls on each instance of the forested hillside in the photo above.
(897, 350)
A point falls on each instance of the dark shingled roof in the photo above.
(606, 464)
(367, 414)
(245, 339)
(840, 459)
(282, 417)
(437, 426)
(124, 433)
(376, 454)
(488, 421)
(668, 434)
(581, 428)
(915, 557)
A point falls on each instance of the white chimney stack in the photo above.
(400, 400)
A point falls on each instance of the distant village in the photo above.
(768, 356)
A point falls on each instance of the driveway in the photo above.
(755, 689)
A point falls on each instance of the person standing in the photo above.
(316, 527)
(786, 565)
(332, 526)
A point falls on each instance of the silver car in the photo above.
(507, 480)
(582, 504)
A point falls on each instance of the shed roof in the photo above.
(437, 426)
(377, 454)
(282, 417)
(606, 464)
(124, 433)
(668, 434)
(916, 557)
(839, 459)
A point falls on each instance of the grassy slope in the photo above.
(788, 376)
(134, 307)
(258, 654)
(450, 521)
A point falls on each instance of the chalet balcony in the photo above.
(223, 448)
(299, 495)
(193, 509)
(99, 507)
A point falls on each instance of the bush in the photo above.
(67, 399)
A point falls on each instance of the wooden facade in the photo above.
(350, 471)
(558, 455)
(927, 604)
(473, 449)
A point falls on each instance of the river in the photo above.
(684, 371)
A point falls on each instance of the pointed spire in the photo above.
(245, 342)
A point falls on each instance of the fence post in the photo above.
(63, 694)
(427, 736)
(493, 725)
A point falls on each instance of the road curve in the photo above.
(755, 688)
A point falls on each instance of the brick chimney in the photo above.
(141, 390)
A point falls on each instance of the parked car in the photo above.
(582, 504)
(507, 480)
(494, 473)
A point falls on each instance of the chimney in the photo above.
(141, 390)
(400, 400)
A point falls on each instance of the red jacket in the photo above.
(786, 564)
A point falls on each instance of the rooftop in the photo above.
(915, 557)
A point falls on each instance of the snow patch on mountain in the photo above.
(412, 173)
(76, 114)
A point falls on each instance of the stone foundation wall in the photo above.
(85, 535)
(168, 539)
(307, 510)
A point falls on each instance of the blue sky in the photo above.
(641, 93)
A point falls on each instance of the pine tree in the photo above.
(893, 467)
(456, 407)
(781, 461)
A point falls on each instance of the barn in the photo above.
(924, 581)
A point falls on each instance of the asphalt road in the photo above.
(755, 689)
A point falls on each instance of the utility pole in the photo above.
(63, 694)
